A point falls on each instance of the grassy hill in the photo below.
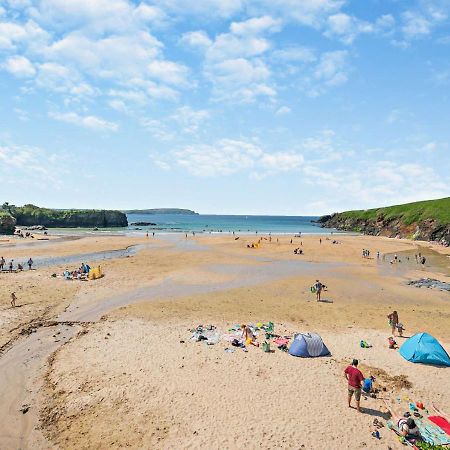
(425, 220)
(409, 213)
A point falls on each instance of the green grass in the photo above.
(409, 213)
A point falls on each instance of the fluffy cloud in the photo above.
(197, 39)
(229, 156)
(91, 122)
(18, 161)
(190, 119)
(20, 67)
(347, 28)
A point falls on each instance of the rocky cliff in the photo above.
(7, 223)
(29, 215)
(421, 220)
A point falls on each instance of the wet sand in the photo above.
(148, 300)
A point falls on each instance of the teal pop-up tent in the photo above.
(424, 348)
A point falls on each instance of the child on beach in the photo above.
(392, 343)
(13, 299)
(400, 329)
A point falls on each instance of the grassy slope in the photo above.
(438, 210)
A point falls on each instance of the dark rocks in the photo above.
(7, 223)
(430, 283)
(143, 224)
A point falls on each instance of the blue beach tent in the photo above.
(308, 345)
(424, 348)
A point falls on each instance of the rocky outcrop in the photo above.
(427, 230)
(7, 223)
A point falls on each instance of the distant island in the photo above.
(426, 220)
(31, 215)
(162, 211)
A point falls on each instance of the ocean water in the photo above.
(203, 223)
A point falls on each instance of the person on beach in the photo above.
(2, 263)
(247, 335)
(354, 377)
(393, 321)
(13, 299)
(318, 287)
(11, 266)
(30, 263)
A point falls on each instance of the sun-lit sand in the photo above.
(135, 379)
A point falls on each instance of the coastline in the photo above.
(148, 300)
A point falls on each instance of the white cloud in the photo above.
(230, 156)
(97, 16)
(32, 162)
(331, 70)
(256, 25)
(197, 39)
(305, 12)
(204, 9)
(168, 72)
(430, 146)
(283, 110)
(91, 122)
(189, 119)
(13, 35)
(346, 28)
(20, 66)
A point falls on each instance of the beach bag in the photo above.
(266, 347)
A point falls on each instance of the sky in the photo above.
(290, 107)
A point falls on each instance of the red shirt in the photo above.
(355, 376)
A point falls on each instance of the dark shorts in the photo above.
(357, 391)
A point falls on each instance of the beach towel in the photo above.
(441, 423)
(280, 341)
(431, 434)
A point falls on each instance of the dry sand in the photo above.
(139, 387)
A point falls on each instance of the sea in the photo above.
(207, 223)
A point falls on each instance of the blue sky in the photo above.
(225, 106)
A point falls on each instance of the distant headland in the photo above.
(31, 215)
(162, 211)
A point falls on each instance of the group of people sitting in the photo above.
(298, 251)
(78, 274)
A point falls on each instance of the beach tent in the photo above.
(95, 274)
(308, 345)
(424, 348)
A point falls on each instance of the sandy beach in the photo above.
(109, 363)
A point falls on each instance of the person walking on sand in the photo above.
(354, 377)
(318, 287)
(13, 299)
(30, 263)
(393, 321)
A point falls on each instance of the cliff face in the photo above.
(30, 215)
(7, 223)
(428, 230)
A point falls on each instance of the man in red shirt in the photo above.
(354, 377)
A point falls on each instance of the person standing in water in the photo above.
(30, 263)
(2, 263)
(393, 321)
